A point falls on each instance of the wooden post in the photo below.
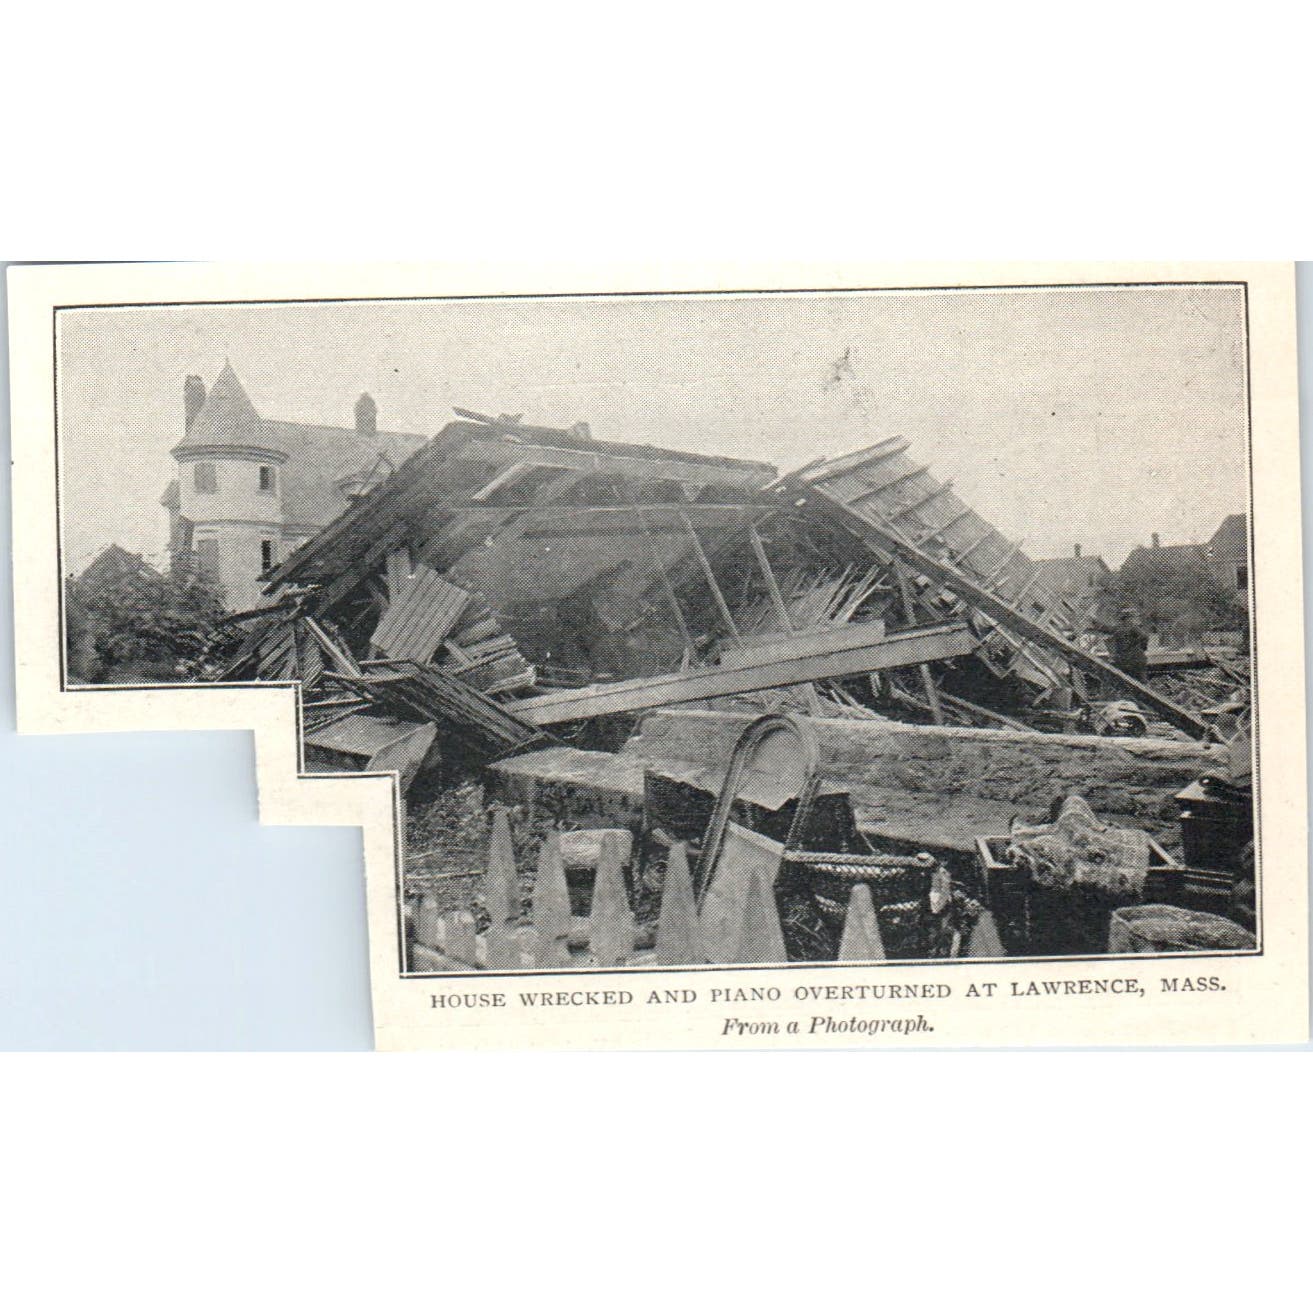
(717, 596)
(501, 895)
(777, 603)
(861, 931)
(677, 939)
(551, 906)
(909, 614)
(611, 928)
(760, 937)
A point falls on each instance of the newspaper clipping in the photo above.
(786, 657)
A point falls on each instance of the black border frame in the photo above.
(593, 972)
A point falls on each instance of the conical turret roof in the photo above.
(227, 418)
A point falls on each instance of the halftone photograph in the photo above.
(893, 627)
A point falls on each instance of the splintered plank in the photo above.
(423, 613)
(461, 713)
(909, 648)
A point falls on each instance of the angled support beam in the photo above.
(857, 460)
(921, 502)
(909, 613)
(777, 604)
(961, 557)
(870, 490)
(709, 575)
(909, 648)
(881, 538)
(931, 534)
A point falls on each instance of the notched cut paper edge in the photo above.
(1263, 998)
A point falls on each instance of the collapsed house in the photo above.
(515, 599)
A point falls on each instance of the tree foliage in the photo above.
(1175, 596)
(126, 621)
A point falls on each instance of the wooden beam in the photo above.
(931, 534)
(909, 614)
(710, 576)
(511, 474)
(759, 648)
(922, 501)
(909, 648)
(870, 490)
(777, 604)
(819, 471)
(879, 537)
(737, 474)
(618, 521)
(990, 532)
(1014, 550)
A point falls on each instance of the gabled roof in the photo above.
(1072, 574)
(1231, 541)
(320, 456)
(1178, 557)
(113, 561)
(226, 418)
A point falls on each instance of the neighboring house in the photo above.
(1079, 579)
(1228, 554)
(109, 571)
(1177, 558)
(250, 489)
(1182, 591)
(111, 565)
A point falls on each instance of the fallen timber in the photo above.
(910, 647)
(990, 604)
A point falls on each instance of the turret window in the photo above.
(267, 479)
(207, 559)
(205, 477)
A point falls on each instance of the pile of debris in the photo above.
(509, 584)
(513, 601)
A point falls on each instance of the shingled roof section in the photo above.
(320, 457)
(226, 417)
(1072, 574)
(1179, 556)
(1231, 541)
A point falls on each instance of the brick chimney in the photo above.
(193, 398)
(1157, 542)
(366, 416)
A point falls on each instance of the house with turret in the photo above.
(249, 490)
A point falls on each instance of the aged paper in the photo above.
(804, 656)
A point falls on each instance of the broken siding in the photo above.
(424, 611)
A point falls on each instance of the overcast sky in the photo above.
(1086, 415)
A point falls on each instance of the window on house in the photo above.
(207, 559)
(1242, 577)
(267, 479)
(206, 478)
(266, 554)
